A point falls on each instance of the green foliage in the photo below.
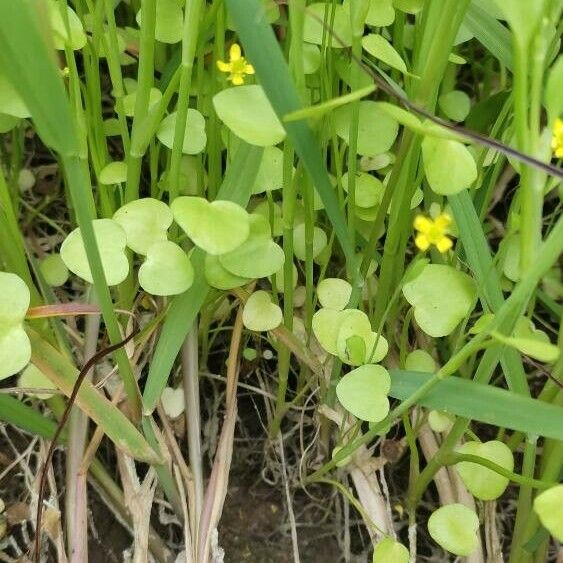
(454, 527)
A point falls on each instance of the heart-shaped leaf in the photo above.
(460, 172)
(455, 104)
(484, 483)
(145, 222)
(440, 421)
(363, 392)
(368, 189)
(334, 293)
(259, 256)
(548, 505)
(260, 314)
(217, 227)
(315, 24)
(388, 550)
(59, 26)
(319, 241)
(33, 378)
(195, 137)
(219, 277)
(247, 112)
(420, 360)
(167, 270)
(15, 350)
(380, 13)
(111, 239)
(441, 296)
(454, 527)
(326, 323)
(10, 102)
(54, 270)
(114, 173)
(173, 401)
(377, 130)
(270, 173)
(129, 101)
(169, 21)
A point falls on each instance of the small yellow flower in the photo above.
(237, 67)
(433, 231)
(557, 140)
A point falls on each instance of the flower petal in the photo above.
(237, 78)
(444, 244)
(223, 66)
(422, 223)
(234, 52)
(443, 221)
(422, 242)
(248, 69)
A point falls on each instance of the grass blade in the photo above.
(17, 413)
(483, 403)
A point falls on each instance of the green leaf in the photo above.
(455, 105)
(16, 413)
(381, 49)
(334, 293)
(77, 38)
(195, 137)
(448, 165)
(483, 403)
(270, 173)
(363, 392)
(390, 550)
(377, 130)
(553, 89)
(111, 239)
(34, 378)
(523, 17)
(536, 348)
(169, 21)
(145, 222)
(54, 270)
(246, 111)
(260, 314)
(217, 227)
(441, 296)
(10, 101)
(93, 403)
(319, 15)
(482, 482)
(454, 527)
(220, 277)
(380, 13)
(549, 507)
(167, 270)
(114, 173)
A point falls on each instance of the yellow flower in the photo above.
(237, 67)
(433, 231)
(557, 140)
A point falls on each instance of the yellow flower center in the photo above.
(557, 139)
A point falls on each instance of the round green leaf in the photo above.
(219, 277)
(259, 256)
(548, 505)
(440, 421)
(363, 392)
(409, 6)
(454, 527)
(369, 189)
(326, 323)
(167, 270)
(334, 293)
(441, 297)
(279, 279)
(7, 122)
(54, 270)
(388, 550)
(195, 137)
(315, 23)
(169, 21)
(270, 172)
(311, 58)
(14, 299)
(58, 25)
(299, 241)
(448, 165)
(377, 130)
(455, 105)
(145, 222)
(130, 100)
(380, 13)
(420, 360)
(260, 314)
(217, 227)
(484, 483)
(247, 112)
(378, 47)
(15, 350)
(114, 173)
(111, 239)
(33, 378)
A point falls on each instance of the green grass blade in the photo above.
(237, 187)
(18, 414)
(483, 403)
(490, 33)
(264, 52)
(106, 415)
(481, 263)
